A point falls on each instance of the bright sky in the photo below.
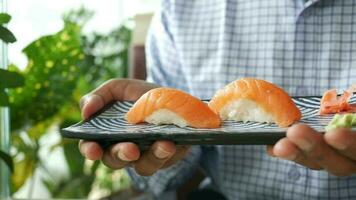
(35, 18)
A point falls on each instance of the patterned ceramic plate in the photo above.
(109, 126)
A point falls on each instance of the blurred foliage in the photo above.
(112, 180)
(8, 79)
(51, 76)
(7, 159)
(25, 160)
(61, 68)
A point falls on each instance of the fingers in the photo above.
(90, 150)
(153, 160)
(343, 140)
(313, 146)
(334, 151)
(123, 154)
(288, 150)
(120, 155)
(161, 154)
(104, 94)
(90, 104)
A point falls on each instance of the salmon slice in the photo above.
(172, 106)
(332, 103)
(250, 99)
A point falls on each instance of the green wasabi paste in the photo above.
(342, 121)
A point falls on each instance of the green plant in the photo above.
(61, 68)
(7, 159)
(8, 79)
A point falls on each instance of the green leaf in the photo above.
(4, 18)
(6, 35)
(37, 130)
(74, 159)
(25, 162)
(76, 187)
(10, 79)
(49, 184)
(23, 170)
(51, 75)
(7, 159)
(4, 99)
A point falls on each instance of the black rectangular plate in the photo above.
(109, 126)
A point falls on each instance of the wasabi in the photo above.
(342, 121)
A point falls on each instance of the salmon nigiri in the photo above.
(172, 106)
(250, 99)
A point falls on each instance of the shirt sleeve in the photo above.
(163, 64)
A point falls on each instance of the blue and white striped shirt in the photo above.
(304, 46)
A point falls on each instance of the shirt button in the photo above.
(294, 173)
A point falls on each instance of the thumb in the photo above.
(113, 90)
(91, 103)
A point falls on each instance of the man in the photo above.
(306, 47)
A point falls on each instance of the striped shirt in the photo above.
(304, 46)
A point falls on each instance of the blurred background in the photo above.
(64, 49)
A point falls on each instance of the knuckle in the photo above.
(299, 158)
(317, 143)
(302, 160)
(147, 166)
(316, 151)
(171, 162)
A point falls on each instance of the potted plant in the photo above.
(61, 68)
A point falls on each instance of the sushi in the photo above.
(250, 99)
(172, 106)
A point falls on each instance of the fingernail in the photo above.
(122, 156)
(84, 101)
(160, 153)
